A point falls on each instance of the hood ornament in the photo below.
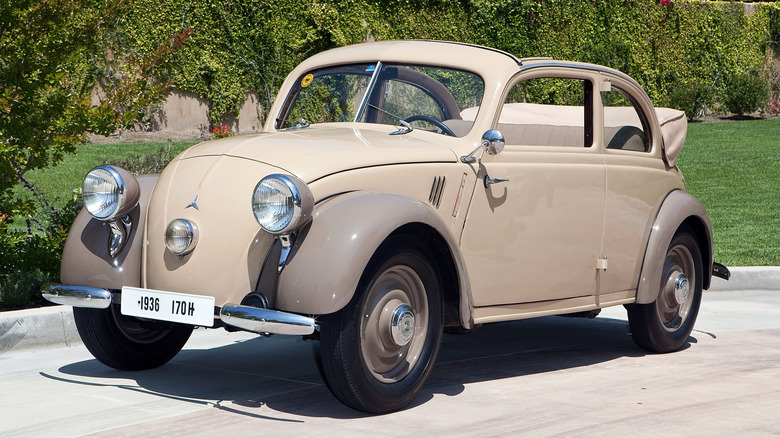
(194, 203)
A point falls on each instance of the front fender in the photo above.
(85, 258)
(325, 266)
(679, 207)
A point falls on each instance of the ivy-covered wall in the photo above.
(252, 44)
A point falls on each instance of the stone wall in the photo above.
(186, 113)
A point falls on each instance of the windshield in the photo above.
(429, 98)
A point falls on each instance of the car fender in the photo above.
(325, 266)
(678, 207)
(85, 258)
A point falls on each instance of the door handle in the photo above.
(490, 181)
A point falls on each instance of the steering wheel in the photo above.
(444, 129)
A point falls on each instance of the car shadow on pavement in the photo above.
(260, 376)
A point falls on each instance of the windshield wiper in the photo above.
(301, 124)
(404, 126)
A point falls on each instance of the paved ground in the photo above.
(545, 377)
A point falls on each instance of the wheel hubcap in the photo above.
(394, 324)
(402, 325)
(674, 303)
(681, 288)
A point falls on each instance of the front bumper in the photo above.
(253, 319)
(77, 296)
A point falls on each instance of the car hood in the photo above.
(320, 150)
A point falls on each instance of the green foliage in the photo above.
(745, 93)
(694, 99)
(676, 52)
(31, 255)
(52, 53)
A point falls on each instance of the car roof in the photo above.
(461, 56)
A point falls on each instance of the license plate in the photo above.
(168, 306)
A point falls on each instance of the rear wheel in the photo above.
(378, 351)
(665, 324)
(127, 343)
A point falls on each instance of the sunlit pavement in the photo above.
(545, 377)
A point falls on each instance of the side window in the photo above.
(548, 112)
(623, 127)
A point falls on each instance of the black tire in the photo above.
(664, 325)
(370, 363)
(127, 343)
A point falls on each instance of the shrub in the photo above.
(694, 99)
(145, 164)
(31, 255)
(745, 93)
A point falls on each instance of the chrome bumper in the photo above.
(77, 296)
(255, 319)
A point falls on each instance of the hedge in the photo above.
(241, 45)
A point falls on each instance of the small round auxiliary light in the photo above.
(181, 236)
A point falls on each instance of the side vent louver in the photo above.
(436, 190)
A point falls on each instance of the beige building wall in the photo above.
(186, 114)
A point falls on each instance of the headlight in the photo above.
(181, 236)
(109, 192)
(281, 203)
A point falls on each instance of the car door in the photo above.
(638, 180)
(534, 234)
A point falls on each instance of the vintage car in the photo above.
(399, 189)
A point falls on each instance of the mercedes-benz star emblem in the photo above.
(194, 203)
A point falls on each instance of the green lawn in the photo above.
(59, 181)
(734, 169)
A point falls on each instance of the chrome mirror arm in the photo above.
(470, 158)
(492, 143)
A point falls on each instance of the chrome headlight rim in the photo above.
(299, 204)
(192, 234)
(120, 191)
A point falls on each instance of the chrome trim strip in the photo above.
(514, 58)
(580, 66)
(77, 296)
(262, 321)
(369, 89)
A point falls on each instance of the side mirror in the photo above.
(492, 142)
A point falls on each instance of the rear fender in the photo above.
(85, 258)
(677, 209)
(325, 265)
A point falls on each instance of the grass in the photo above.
(59, 181)
(734, 169)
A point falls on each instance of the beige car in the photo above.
(399, 189)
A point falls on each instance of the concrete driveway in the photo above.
(545, 377)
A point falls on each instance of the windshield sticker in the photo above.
(307, 80)
(370, 68)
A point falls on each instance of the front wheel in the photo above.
(378, 351)
(127, 343)
(664, 325)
